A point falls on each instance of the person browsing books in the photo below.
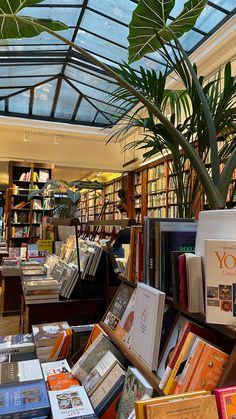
(123, 237)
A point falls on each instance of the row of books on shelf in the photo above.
(157, 185)
(41, 176)
(100, 378)
(38, 204)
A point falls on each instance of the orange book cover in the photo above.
(226, 402)
(61, 381)
(190, 366)
(65, 345)
(56, 346)
(193, 408)
(96, 331)
(209, 370)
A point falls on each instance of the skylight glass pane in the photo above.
(190, 39)
(209, 18)
(66, 102)
(86, 112)
(87, 76)
(90, 91)
(105, 27)
(108, 108)
(43, 38)
(2, 105)
(43, 98)
(20, 103)
(226, 4)
(55, 2)
(100, 119)
(6, 92)
(120, 10)
(67, 15)
(46, 47)
(23, 81)
(30, 70)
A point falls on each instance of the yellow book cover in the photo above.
(179, 365)
(140, 405)
(193, 408)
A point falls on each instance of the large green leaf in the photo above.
(14, 26)
(150, 18)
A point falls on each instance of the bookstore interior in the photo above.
(118, 209)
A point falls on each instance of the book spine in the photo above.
(183, 356)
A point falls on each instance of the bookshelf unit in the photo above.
(24, 217)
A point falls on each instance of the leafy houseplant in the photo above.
(149, 31)
(66, 195)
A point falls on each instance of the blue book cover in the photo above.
(24, 400)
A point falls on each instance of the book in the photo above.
(147, 326)
(45, 334)
(135, 387)
(220, 283)
(70, 403)
(20, 372)
(24, 400)
(93, 355)
(80, 336)
(140, 405)
(209, 369)
(196, 407)
(194, 283)
(55, 367)
(103, 398)
(226, 402)
(61, 381)
(16, 343)
(124, 329)
(118, 306)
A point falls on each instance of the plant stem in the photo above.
(211, 190)
(209, 120)
(226, 175)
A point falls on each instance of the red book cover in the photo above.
(183, 282)
(226, 402)
(111, 412)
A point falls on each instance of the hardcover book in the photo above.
(16, 343)
(118, 306)
(197, 407)
(24, 401)
(70, 403)
(226, 402)
(134, 388)
(55, 367)
(125, 326)
(46, 334)
(20, 372)
(220, 279)
(148, 316)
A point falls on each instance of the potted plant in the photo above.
(150, 30)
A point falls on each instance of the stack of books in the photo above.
(40, 290)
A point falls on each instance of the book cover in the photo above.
(45, 334)
(209, 369)
(135, 387)
(55, 367)
(70, 403)
(118, 306)
(20, 372)
(220, 274)
(226, 402)
(109, 388)
(80, 336)
(148, 316)
(61, 381)
(24, 400)
(93, 355)
(193, 408)
(112, 409)
(16, 343)
(140, 405)
(125, 326)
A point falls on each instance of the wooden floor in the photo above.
(8, 325)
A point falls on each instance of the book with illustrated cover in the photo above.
(135, 387)
(148, 317)
(118, 306)
(45, 334)
(55, 367)
(20, 372)
(226, 402)
(70, 403)
(125, 326)
(16, 343)
(93, 355)
(61, 381)
(24, 400)
(196, 407)
(220, 281)
(112, 409)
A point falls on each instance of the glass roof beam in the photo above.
(25, 89)
(76, 108)
(31, 102)
(56, 96)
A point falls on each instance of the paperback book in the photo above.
(16, 343)
(70, 403)
(20, 372)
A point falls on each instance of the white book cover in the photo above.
(148, 317)
(55, 367)
(70, 403)
(220, 279)
(29, 370)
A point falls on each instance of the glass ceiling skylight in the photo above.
(41, 78)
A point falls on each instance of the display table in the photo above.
(11, 292)
(77, 311)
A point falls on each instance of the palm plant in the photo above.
(149, 31)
